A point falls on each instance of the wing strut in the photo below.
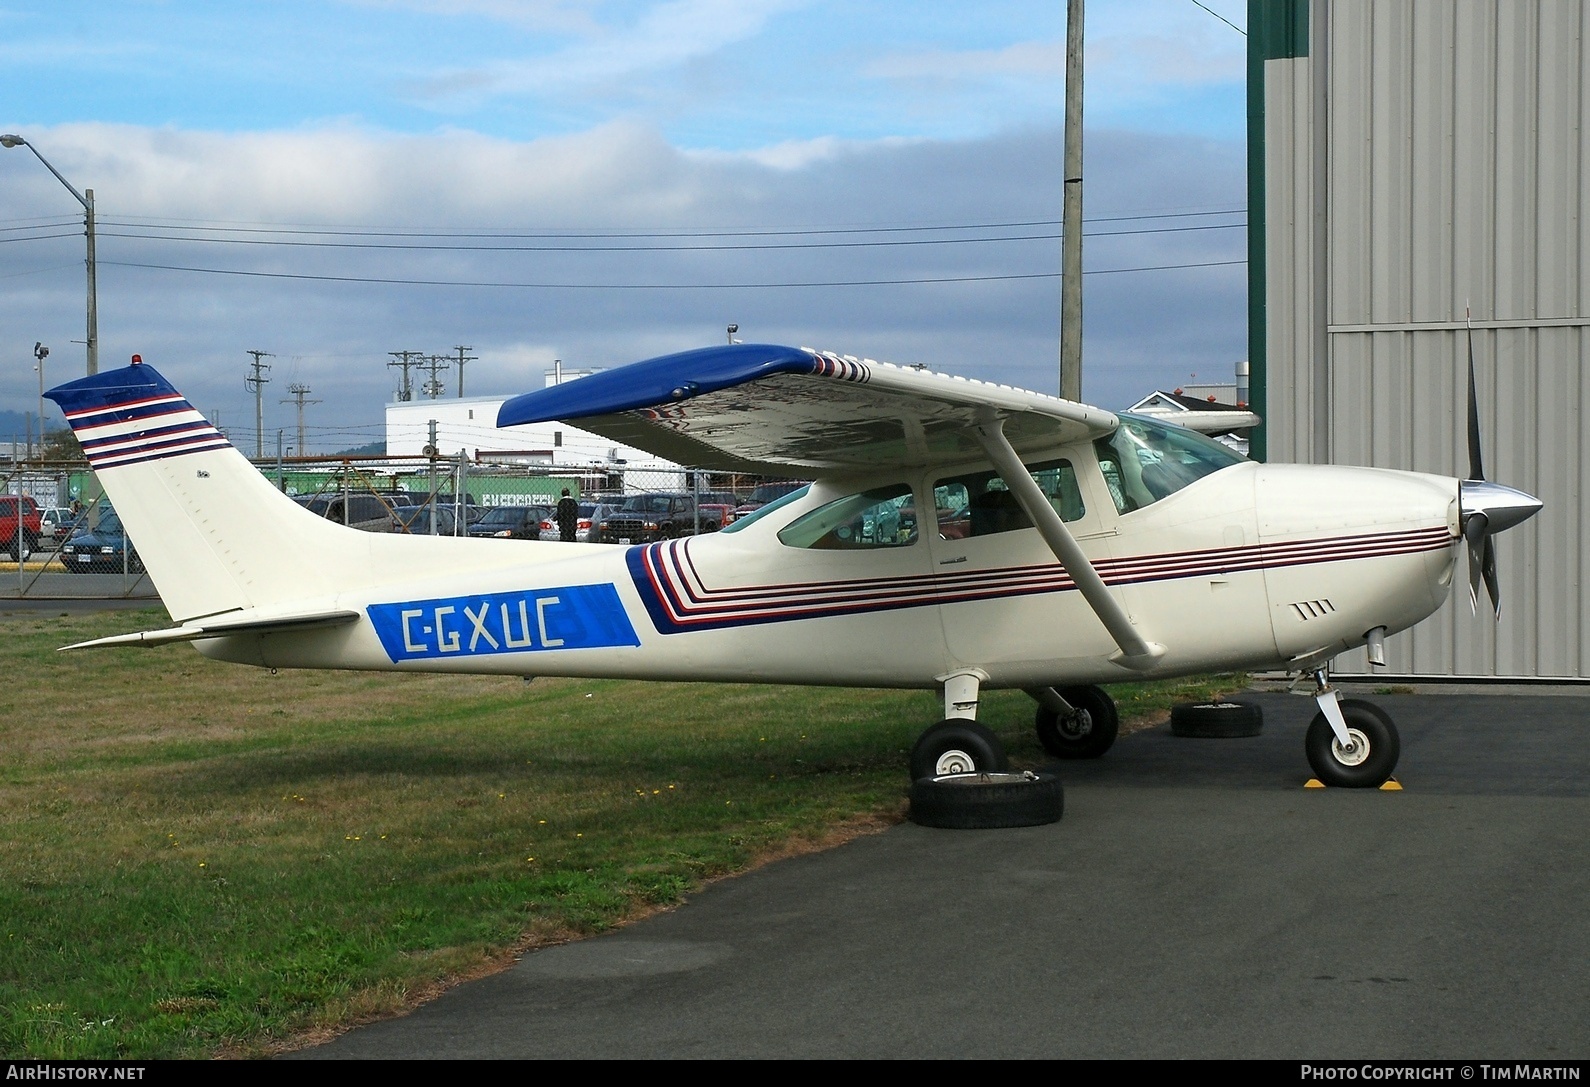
(1136, 652)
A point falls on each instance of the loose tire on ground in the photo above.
(987, 801)
(1364, 767)
(1216, 720)
(1086, 736)
(957, 746)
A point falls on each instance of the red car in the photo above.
(31, 525)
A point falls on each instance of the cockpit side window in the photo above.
(1144, 460)
(881, 517)
(980, 504)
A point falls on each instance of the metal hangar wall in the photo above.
(1409, 160)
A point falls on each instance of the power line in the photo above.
(1222, 18)
(688, 248)
(397, 282)
(147, 222)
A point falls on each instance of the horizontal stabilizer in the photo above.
(221, 627)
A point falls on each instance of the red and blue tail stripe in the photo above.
(133, 415)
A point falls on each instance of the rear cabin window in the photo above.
(1144, 460)
(981, 505)
(881, 517)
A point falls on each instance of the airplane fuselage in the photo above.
(1252, 567)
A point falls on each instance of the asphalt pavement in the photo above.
(1195, 901)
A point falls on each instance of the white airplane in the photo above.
(958, 536)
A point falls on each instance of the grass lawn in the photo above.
(201, 859)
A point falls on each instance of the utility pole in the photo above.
(433, 386)
(1071, 215)
(405, 359)
(460, 360)
(256, 383)
(299, 392)
(430, 450)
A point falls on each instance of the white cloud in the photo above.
(618, 178)
(569, 16)
(935, 65)
(664, 37)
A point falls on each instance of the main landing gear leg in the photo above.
(958, 744)
(1350, 742)
(960, 777)
(1075, 722)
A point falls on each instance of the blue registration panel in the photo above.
(532, 621)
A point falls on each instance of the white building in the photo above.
(469, 425)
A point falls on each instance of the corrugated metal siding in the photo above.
(1425, 157)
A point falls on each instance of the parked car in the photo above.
(363, 510)
(100, 550)
(56, 524)
(766, 493)
(512, 522)
(30, 523)
(647, 517)
(604, 509)
(416, 520)
(721, 514)
(590, 513)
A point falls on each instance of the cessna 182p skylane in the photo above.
(959, 535)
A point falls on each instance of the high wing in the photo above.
(795, 411)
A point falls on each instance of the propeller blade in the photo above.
(1479, 541)
(1488, 572)
(1476, 467)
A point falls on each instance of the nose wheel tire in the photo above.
(957, 746)
(1085, 734)
(1367, 760)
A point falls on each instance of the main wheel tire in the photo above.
(1088, 733)
(987, 801)
(1216, 720)
(957, 746)
(1369, 762)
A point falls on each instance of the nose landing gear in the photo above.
(1350, 743)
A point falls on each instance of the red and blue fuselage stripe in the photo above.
(678, 599)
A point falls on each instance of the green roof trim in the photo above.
(1279, 28)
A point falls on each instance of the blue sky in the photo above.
(926, 120)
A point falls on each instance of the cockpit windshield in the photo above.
(1144, 460)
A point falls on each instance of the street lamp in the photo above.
(40, 352)
(86, 198)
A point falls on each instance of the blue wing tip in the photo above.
(662, 380)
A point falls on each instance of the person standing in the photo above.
(568, 517)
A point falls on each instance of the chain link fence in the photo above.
(68, 542)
